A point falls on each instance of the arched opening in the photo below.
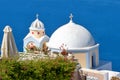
(31, 46)
(45, 48)
(93, 60)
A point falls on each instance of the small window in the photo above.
(32, 32)
(38, 32)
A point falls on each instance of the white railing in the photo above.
(91, 78)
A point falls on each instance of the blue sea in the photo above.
(100, 17)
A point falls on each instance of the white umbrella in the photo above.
(8, 48)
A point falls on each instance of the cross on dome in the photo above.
(37, 15)
(71, 16)
(37, 24)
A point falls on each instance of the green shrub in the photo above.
(44, 69)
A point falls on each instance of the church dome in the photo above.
(74, 36)
(37, 24)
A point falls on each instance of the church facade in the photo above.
(36, 36)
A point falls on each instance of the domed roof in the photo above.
(73, 35)
(7, 29)
(37, 24)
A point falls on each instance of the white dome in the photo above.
(37, 25)
(73, 35)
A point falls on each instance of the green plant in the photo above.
(43, 69)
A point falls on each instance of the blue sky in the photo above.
(100, 17)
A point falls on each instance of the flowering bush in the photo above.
(115, 78)
(43, 69)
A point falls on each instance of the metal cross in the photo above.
(71, 16)
(37, 15)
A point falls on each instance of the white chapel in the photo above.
(79, 41)
(36, 36)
